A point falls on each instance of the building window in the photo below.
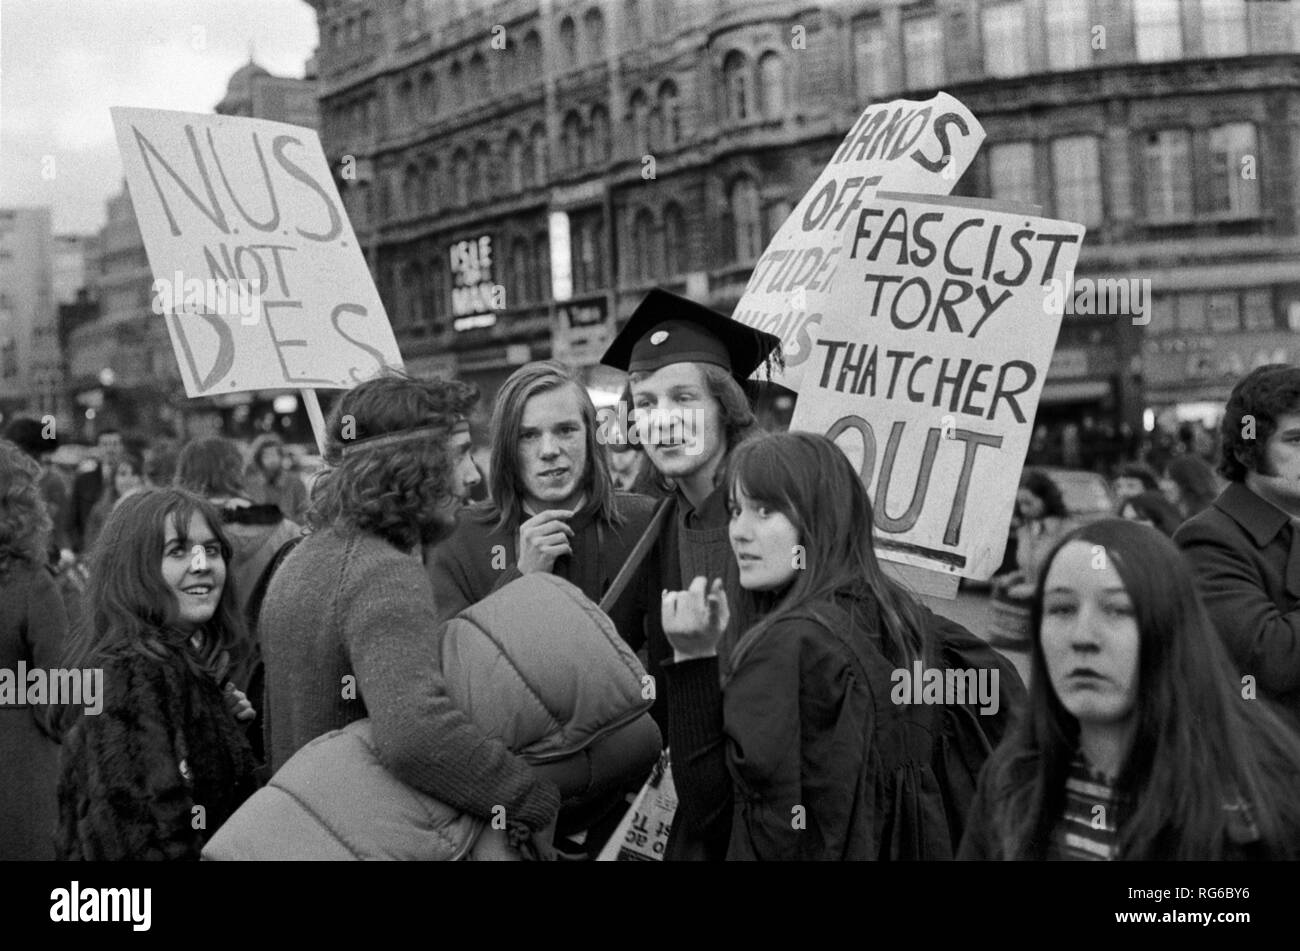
(538, 137)
(1231, 192)
(593, 27)
(405, 104)
(1224, 27)
(459, 178)
(486, 184)
(1011, 172)
(1076, 174)
(521, 281)
(1069, 34)
(870, 62)
(588, 267)
(515, 161)
(747, 219)
(433, 184)
(428, 96)
(639, 107)
(1006, 46)
(542, 266)
(674, 241)
(670, 116)
(643, 228)
(771, 85)
(923, 52)
(735, 84)
(1158, 30)
(568, 43)
(1257, 309)
(456, 79)
(777, 212)
(530, 66)
(632, 22)
(1166, 164)
(571, 141)
(600, 144)
(1191, 312)
(1225, 313)
(479, 80)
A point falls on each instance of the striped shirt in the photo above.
(1088, 829)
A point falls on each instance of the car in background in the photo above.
(1088, 496)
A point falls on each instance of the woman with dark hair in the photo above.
(1040, 520)
(350, 628)
(164, 762)
(802, 749)
(1152, 508)
(1192, 484)
(1137, 742)
(1133, 478)
(124, 477)
(32, 628)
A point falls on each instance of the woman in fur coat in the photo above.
(164, 762)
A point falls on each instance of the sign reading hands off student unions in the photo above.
(930, 362)
(222, 200)
(902, 146)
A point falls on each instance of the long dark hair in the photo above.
(24, 521)
(1041, 484)
(506, 507)
(129, 607)
(1195, 480)
(1198, 748)
(809, 480)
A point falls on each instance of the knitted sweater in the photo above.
(349, 629)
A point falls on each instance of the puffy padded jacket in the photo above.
(535, 664)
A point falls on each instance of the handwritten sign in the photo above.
(234, 200)
(904, 146)
(931, 360)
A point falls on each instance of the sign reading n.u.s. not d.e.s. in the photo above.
(239, 210)
(927, 372)
(902, 146)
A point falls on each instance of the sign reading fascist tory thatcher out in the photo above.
(929, 366)
(904, 146)
(257, 270)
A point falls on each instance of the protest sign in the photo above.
(259, 276)
(939, 331)
(902, 146)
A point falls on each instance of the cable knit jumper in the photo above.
(349, 629)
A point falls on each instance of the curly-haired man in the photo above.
(1246, 546)
(349, 624)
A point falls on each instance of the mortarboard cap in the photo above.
(666, 328)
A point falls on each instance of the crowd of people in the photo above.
(387, 669)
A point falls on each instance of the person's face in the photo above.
(764, 542)
(1282, 451)
(680, 423)
(552, 450)
(1171, 491)
(1030, 505)
(126, 479)
(110, 448)
(1128, 486)
(1089, 636)
(624, 463)
(464, 476)
(194, 569)
(270, 459)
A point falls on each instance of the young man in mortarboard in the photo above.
(686, 367)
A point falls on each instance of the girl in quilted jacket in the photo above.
(802, 753)
(1140, 740)
(160, 760)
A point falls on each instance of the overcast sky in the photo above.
(63, 63)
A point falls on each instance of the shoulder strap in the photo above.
(638, 555)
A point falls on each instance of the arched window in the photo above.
(422, 194)
(643, 245)
(777, 212)
(538, 138)
(485, 182)
(633, 29)
(520, 280)
(639, 116)
(670, 117)
(433, 184)
(746, 218)
(365, 205)
(675, 249)
(456, 80)
(479, 81)
(405, 103)
(568, 43)
(530, 65)
(336, 36)
(593, 28)
(515, 162)
(735, 85)
(410, 190)
(367, 24)
(428, 96)
(415, 288)
(572, 141)
(600, 144)
(542, 269)
(437, 293)
(771, 85)
(459, 178)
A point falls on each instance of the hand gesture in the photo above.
(542, 539)
(237, 703)
(694, 619)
